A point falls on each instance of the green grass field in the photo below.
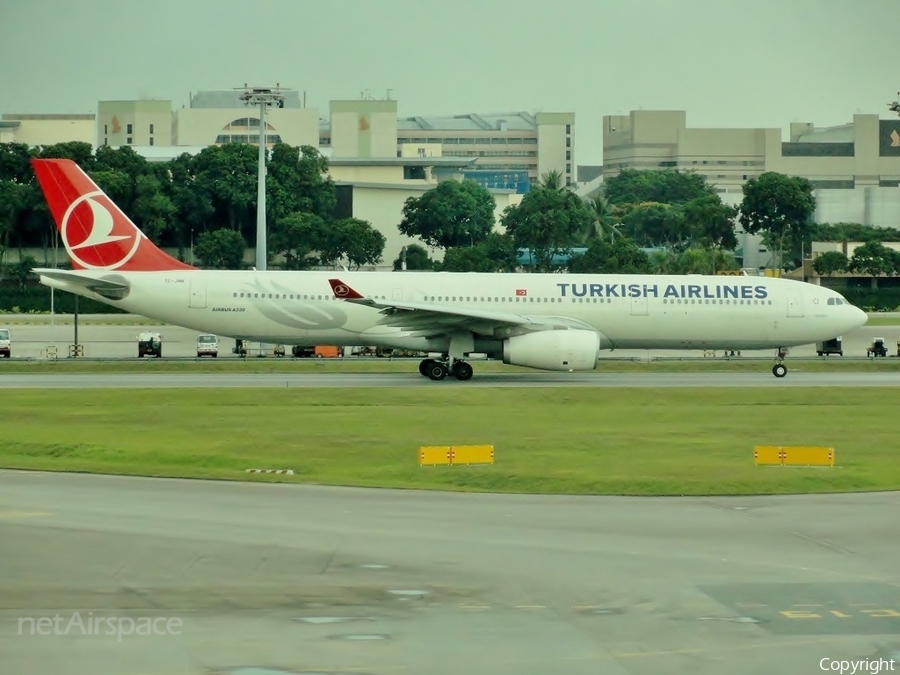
(883, 320)
(576, 441)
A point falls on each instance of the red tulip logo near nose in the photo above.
(94, 238)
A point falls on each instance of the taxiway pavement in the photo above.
(284, 578)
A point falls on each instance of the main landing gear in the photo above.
(779, 369)
(438, 370)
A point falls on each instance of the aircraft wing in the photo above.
(430, 319)
(109, 286)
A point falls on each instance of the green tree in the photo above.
(652, 224)
(451, 214)
(227, 176)
(603, 219)
(842, 232)
(15, 163)
(80, 153)
(297, 180)
(873, 259)
(548, 221)
(693, 260)
(153, 210)
(552, 180)
(620, 256)
(710, 222)
(416, 259)
(351, 239)
(780, 207)
(667, 186)
(300, 237)
(830, 263)
(221, 249)
(497, 253)
(194, 211)
(13, 202)
(21, 271)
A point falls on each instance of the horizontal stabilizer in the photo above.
(111, 286)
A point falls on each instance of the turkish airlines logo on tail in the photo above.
(94, 237)
(341, 291)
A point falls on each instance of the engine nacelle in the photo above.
(553, 350)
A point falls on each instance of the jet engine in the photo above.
(553, 350)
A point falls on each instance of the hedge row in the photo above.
(36, 299)
(874, 300)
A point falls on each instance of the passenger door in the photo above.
(198, 294)
(640, 306)
(795, 306)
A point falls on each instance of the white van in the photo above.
(207, 345)
(4, 343)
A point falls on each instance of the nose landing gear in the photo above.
(779, 369)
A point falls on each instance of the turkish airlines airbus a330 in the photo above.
(547, 321)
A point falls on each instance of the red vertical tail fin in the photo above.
(95, 232)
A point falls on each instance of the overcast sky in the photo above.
(729, 63)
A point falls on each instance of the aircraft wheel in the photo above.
(424, 365)
(779, 370)
(462, 371)
(436, 371)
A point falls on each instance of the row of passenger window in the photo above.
(441, 298)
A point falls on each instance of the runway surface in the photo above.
(794, 378)
(285, 578)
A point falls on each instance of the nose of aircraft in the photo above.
(858, 316)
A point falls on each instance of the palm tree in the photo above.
(552, 180)
(603, 218)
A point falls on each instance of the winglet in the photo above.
(342, 291)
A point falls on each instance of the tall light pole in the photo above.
(263, 97)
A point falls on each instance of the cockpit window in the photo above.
(831, 301)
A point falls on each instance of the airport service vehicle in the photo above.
(557, 322)
(319, 351)
(149, 344)
(5, 344)
(832, 346)
(207, 345)
(878, 348)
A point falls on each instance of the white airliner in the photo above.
(548, 321)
